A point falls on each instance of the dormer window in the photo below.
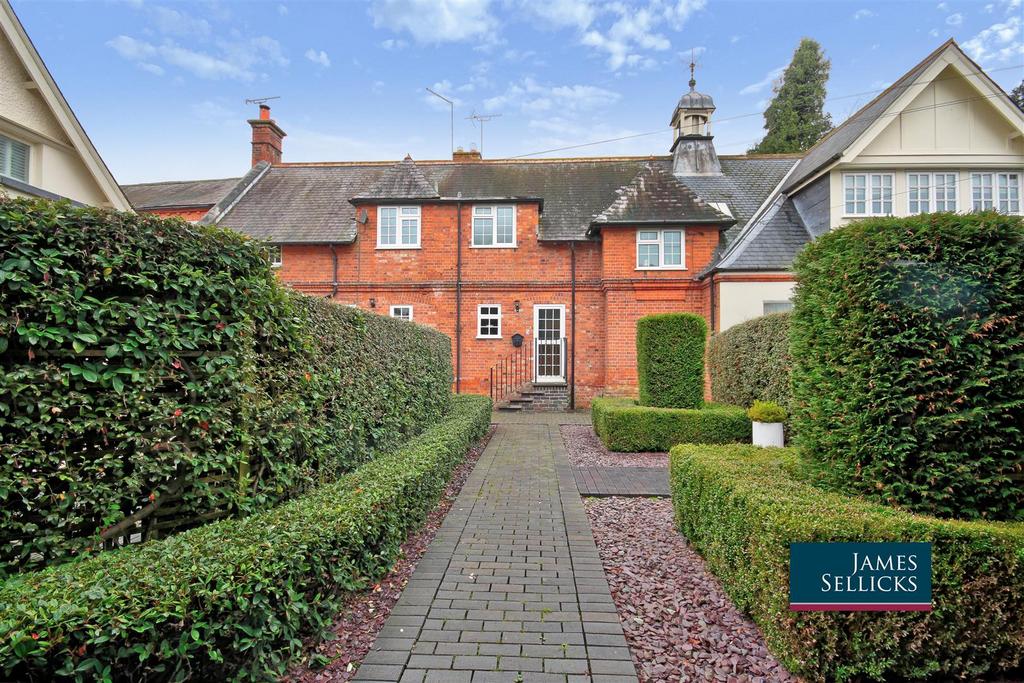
(494, 226)
(398, 227)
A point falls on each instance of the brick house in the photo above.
(563, 255)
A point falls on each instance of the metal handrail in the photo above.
(510, 373)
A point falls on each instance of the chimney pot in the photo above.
(264, 112)
(466, 155)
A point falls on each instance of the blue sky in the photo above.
(160, 85)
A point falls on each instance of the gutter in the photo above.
(334, 278)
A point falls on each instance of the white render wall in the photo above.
(741, 301)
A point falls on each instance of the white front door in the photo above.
(549, 343)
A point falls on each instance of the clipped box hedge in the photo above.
(627, 427)
(750, 362)
(231, 599)
(907, 346)
(142, 355)
(742, 506)
(670, 360)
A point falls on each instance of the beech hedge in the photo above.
(670, 360)
(741, 507)
(908, 361)
(627, 427)
(750, 362)
(141, 357)
(233, 599)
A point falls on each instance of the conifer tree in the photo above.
(1017, 95)
(796, 118)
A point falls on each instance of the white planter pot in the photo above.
(768, 434)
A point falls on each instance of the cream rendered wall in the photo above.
(54, 165)
(950, 125)
(741, 301)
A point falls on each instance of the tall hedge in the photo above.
(750, 362)
(670, 360)
(142, 356)
(908, 361)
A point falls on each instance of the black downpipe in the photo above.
(458, 300)
(334, 279)
(711, 283)
(572, 333)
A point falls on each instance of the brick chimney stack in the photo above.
(471, 154)
(266, 138)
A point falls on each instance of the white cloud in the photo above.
(578, 14)
(393, 44)
(765, 82)
(172, 22)
(531, 97)
(316, 57)
(735, 39)
(435, 21)
(282, 10)
(942, 7)
(154, 69)
(638, 29)
(130, 48)
(447, 89)
(377, 88)
(934, 33)
(863, 14)
(204, 65)
(955, 19)
(999, 42)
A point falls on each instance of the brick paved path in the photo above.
(622, 481)
(512, 588)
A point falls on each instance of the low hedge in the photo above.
(627, 427)
(670, 359)
(141, 357)
(742, 506)
(230, 600)
(750, 362)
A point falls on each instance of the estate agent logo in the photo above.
(860, 576)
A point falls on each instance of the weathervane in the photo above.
(693, 66)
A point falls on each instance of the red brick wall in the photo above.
(611, 294)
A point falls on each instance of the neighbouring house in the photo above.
(188, 199)
(563, 255)
(44, 151)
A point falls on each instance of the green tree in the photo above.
(1017, 95)
(796, 118)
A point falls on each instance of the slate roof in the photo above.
(832, 146)
(656, 196)
(309, 203)
(771, 242)
(404, 180)
(178, 194)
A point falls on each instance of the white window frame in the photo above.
(776, 302)
(9, 143)
(995, 186)
(393, 311)
(480, 318)
(275, 254)
(870, 178)
(932, 200)
(493, 209)
(416, 214)
(660, 242)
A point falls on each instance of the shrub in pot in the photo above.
(767, 418)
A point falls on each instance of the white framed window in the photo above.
(997, 190)
(488, 321)
(867, 194)
(494, 226)
(402, 311)
(275, 255)
(927, 192)
(777, 306)
(660, 250)
(398, 227)
(14, 159)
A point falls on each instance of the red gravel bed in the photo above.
(679, 623)
(585, 449)
(364, 613)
